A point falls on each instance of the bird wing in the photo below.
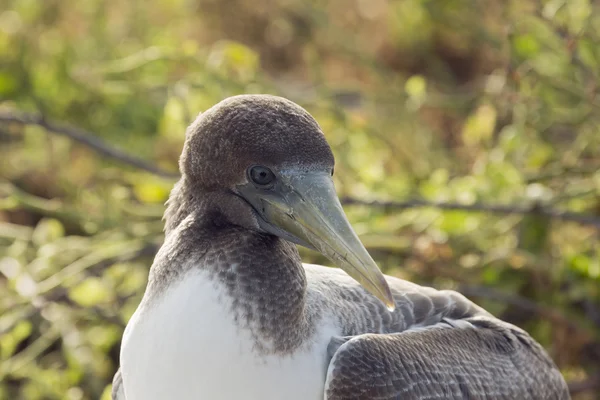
(118, 391)
(437, 344)
(473, 358)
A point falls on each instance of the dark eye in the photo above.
(261, 176)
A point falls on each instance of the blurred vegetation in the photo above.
(463, 102)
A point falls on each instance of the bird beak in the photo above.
(304, 208)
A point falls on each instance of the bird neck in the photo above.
(261, 273)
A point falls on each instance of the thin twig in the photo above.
(522, 303)
(534, 209)
(122, 250)
(84, 137)
(564, 171)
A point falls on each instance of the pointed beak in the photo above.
(304, 208)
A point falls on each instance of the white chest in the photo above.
(187, 345)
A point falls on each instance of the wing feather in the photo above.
(360, 312)
(474, 358)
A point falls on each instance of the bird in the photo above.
(231, 312)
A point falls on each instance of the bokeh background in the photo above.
(467, 137)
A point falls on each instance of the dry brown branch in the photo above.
(534, 209)
(84, 137)
(523, 303)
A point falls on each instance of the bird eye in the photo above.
(261, 176)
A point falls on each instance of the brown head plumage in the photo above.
(250, 130)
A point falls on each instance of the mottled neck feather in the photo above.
(179, 205)
(262, 273)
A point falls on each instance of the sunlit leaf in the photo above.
(91, 292)
(235, 57)
(47, 230)
(480, 125)
(526, 45)
(416, 86)
(10, 340)
(152, 190)
(173, 122)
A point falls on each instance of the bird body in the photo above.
(231, 312)
(202, 352)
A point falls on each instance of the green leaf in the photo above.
(47, 230)
(8, 84)
(551, 64)
(586, 265)
(152, 190)
(234, 57)
(539, 155)
(579, 12)
(416, 86)
(173, 122)
(10, 340)
(91, 292)
(589, 53)
(480, 125)
(526, 45)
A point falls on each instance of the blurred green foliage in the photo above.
(463, 101)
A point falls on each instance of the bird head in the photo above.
(272, 155)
